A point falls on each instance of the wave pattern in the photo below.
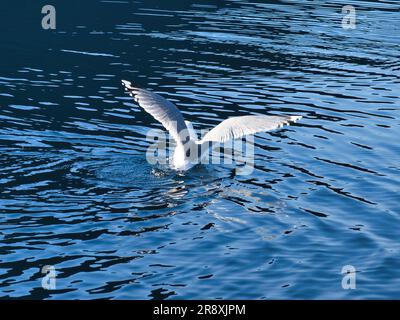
(77, 193)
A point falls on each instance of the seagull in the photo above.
(186, 153)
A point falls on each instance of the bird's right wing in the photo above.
(237, 127)
(161, 109)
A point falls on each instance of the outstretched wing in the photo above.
(237, 127)
(161, 109)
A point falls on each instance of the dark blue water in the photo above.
(77, 193)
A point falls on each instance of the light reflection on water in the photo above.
(77, 192)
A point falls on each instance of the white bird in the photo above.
(186, 153)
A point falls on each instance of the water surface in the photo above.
(77, 193)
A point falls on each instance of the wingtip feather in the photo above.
(126, 84)
(295, 118)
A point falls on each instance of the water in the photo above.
(76, 191)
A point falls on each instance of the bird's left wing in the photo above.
(161, 109)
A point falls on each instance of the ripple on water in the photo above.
(77, 192)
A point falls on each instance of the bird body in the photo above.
(183, 158)
(189, 150)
